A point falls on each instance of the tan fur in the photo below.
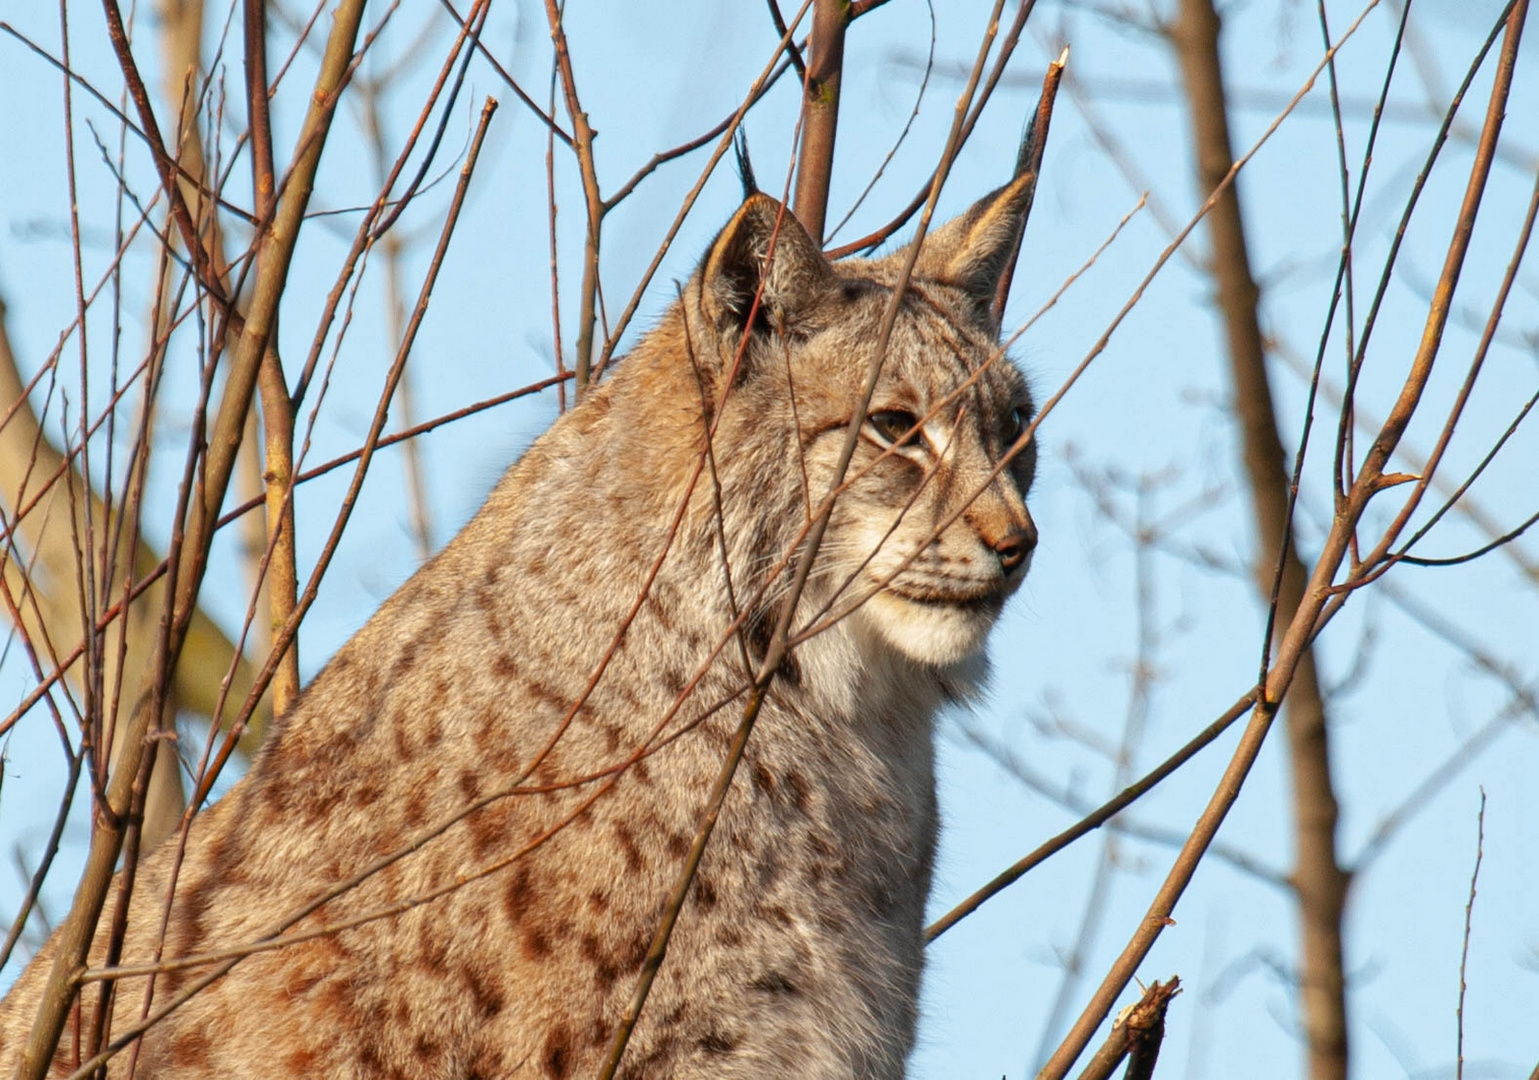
(799, 950)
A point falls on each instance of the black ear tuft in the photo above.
(788, 281)
(744, 165)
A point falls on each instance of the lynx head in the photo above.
(931, 533)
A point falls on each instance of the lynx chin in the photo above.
(532, 723)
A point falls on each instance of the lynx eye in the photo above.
(894, 426)
(1014, 424)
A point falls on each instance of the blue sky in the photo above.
(1155, 404)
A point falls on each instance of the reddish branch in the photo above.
(277, 406)
(193, 533)
(1137, 1034)
(1319, 881)
(820, 104)
(1323, 596)
(582, 143)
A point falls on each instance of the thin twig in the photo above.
(1464, 945)
(779, 643)
(1302, 629)
(582, 145)
(74, 938)
(1136, 1035)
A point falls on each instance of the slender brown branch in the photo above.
(704, 138)
(202, 257)
(612, 339)
(1030, 161)
(277, 407)
(1344, 464)
(897, 144)
(1091, 821)
(75, 936)
(793, 54)
(820, 108)
(502, 73)
(1320, 883)
(1136, 1036)
(1321, 599)
(582, 144)
(1464, 945)
(1007, 44)
(1065, 796)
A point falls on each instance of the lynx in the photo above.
(561, 683)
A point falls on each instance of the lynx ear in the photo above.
(794, 281)
(976, 252)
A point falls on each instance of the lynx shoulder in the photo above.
(457, 846)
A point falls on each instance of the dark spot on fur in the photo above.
(301, 1062)
(400, 735)
(633, 860)
(406, 659)
(558, 1053)
(425, 1049)
(659, 611)
(433, 950)
(641, 772)
(763, 780)
(631, 959)
(775, 913)
(535, 944)
(484, 992)
(190, 1050)
(604, 970)
(673, 681)
(470, 785)
(705, 892)
(547, 695)
(415, 807)
(370, 1061)
(678, 845)
(517, 896)
(488, 826)
(598, 900)
(612, 735)
(759, 630)
(503, 666)
(773, 982)
(716, 1043)
(488, 728)
(800, 790)
(730, 935)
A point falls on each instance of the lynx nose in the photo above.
(1015, 544)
